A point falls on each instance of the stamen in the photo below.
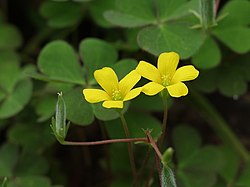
(116, 95)
(165, 80)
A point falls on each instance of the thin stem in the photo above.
(153, 144)
(158, 166)
(101, 142)
(164, 124)
(130, 146)
(220, 126)
(158, 155)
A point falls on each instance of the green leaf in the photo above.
(231, 166)
(244, 179)
(167, 177)
(187, 141)
(232, 82)
(208, 56)
(2, 95)
(16, 101)
(136, 123)
(97, 9)
(171, 37)
(30, 181)
(196, 179)
(239, 43)
(26, 165)
(9, 70)
(124, 66)
(183, 11)
(61, 14)
(208, 159)
(79, 110)
(125, 20)
(8, 159)
(166, 8)
(144, 102)
(103, 54)
(58, 60)
(131, 13)
(237, 13)
(10, 38)
(4, 182)
(104, 114)
(45, 107)
(33, 137)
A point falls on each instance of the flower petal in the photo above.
(128, 82)
(95, 95)
(132, 94)
(148, 71)
(107, 79)
(112, 104)
(185, 73)
(177, 90)
(167, 63)
(152, 88)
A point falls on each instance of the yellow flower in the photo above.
(166, 75)
(114, 93)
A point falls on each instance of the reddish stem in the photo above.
(101, 142)
(153, 143)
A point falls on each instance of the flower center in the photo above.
(116, 95)
(165, 80)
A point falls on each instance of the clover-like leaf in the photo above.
(8, 159)
(103, 55)
(79, 110)
(58, 61)
(30, 181)
(16, 101)
(61, 14)
(10, 38)
(10, 71)
(97, 9)
(208, 56)
(186, 141)
(171, 37)
(131, 13)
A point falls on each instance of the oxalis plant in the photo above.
(122, 121)
(165, 80)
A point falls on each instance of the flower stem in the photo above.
(219, 125)
(158, 155)
(101, 142)
(153, 144)
(165, 117)
(164, 125)
(130, 145)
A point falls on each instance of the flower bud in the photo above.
(167, 156)
(59, 126)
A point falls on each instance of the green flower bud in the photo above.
(59, 125)
(167, 156)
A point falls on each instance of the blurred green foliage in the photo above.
(58, 45)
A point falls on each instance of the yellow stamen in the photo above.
(116, 95)
(165, 80)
